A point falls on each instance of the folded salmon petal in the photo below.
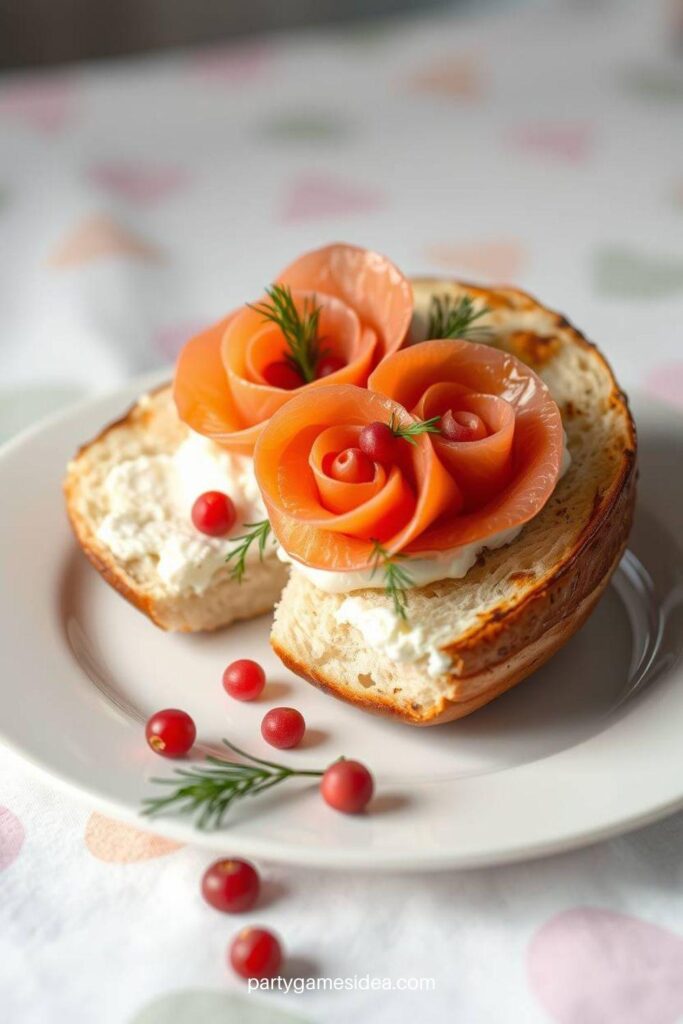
(365, 280)
(482, 467)
(537, 437)
(418, 489)
(200, 386)
(220, 386)
(339, 496)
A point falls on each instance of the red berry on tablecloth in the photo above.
(213, 513)
(244, 679)
(171, 732)
(347, 786)
(283, 727)
(255, 953)
(231, 885)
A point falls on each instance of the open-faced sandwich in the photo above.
(445, 472)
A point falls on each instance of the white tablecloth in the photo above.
(140, 199)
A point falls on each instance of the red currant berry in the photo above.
(462, 426)
(328, 365)
(377, 442)
(255, 953)
(213, 513)
(352, 466)
(282, 375)
(170, 732)
(347, 786)
(244, 679)
(283, 727)
(231, 885)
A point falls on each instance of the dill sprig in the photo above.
(300, 329)
(257, 533)
(396, 579)
(412, 430)
(211, 789)
(449, 319)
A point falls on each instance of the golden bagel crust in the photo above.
(507, 640)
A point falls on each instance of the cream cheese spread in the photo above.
(384, 631)
(380, 627)
(150, 501)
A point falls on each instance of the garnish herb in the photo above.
(300, 329)
(210, 789)
(257, 532)
(396, 579)
(411, 430)
(449, 319)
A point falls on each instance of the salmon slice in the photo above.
(220, 388)
(366, 281)
(288, 461)
(522, 453)
(482, 467)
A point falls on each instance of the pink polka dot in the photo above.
(317, 195)
(11, 837)
(592, 966)
(231, 65)
(570, 142)
(136, 182)
(44, 103)
(666, 382)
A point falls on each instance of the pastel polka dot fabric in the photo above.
(537, 145)
(118, 843)
(11, 837)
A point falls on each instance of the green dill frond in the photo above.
(300, 329)
(449, 319)
(210, 789)
(256, 533)
(397, 579)
(412, 430)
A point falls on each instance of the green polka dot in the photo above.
(304, 126)
(654, 84)
(202, 1006)
(626, 274)
(363, 34)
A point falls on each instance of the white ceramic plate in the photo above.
(589, 746)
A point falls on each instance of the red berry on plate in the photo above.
(347, 786)
(377, 442)
(244, 679)
(255, 953)
(231, 885)
(171, 732)
(328, 365)
(282, 375)
(213, 513)
(283, 727)
(462, 426)
(352, 466)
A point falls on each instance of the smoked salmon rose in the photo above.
(452, 443)
(327, 502)
(329, 318)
